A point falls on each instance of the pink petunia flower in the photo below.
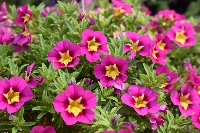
(30, 81)
(196, 117)
(142, 99)
(3, 12)
(64, 54)
(13, 94)
(92, 43)
(182, 33)
(157, 55)
(121, 8)
(24, 16)
(76, 105)
(5, 38)
(155, 120)
(170, 78)
(163, 42)
(187, 101)
(41, 129)
(139, 44)
(111, 70)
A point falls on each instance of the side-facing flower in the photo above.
(170, 78)
(121, 8)
(142, 99)
(41, 129)
(163, 42)
(13, 94)
(111, 70)
(24, 16)
(183, 34)
(196, 117)
(138, 43)
(155, 120)
(64, 54)
(3, 12)
(92, 43)
(187, 101)
(30, 80)
(75, 105)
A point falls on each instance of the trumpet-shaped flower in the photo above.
(75, 105)
(138, 43)
(30, 81)
(13, 94)
(24, 16)
(121, 8)
(64, 54)
(163, 43)
(187, 101)
(41, 129)
(182, 33)
(111, 70)
(92, 43)
(142, 99)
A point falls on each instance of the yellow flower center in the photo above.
(154, 54)
(26, 17)
(139, 101)
(12, 96)
(118, 11)
(164, 23)
(180, 37)
(171, 17)
(184, 101)
(134, 46)
(198, 90)
(161, 45)
(112, 71)
(75, 107)
(65, 58)
(164, 85)
(93, 45)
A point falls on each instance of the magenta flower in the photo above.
(155, 120)
(111, 70)
(76, 105)
(64, 54)
(139, 44)
(182, 33)
(13, 94)
(121, 8)
(3, 12)
(142, 99)
(41, 129)
(187, 101)
(23, 38)
(170, 78)
(24, 16)
(157, 55)
(5, 38)
(196, 117)
(30, 81)
(120, 131)
(46, 10)
(92, 43)
(163, 42)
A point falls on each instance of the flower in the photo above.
(129, 126)
(40, 79)
(182, 33)
(92, 43)
(111, 70)
(3, 12)
(138, 43)
(196, 117)
(121, 8)
(163, 42)
(5, 38)
(24, 16)
(41, 129)
(155, 120)
(142, 99)
(13, 94)
(75, 104)
(170, 78)
(64, 54)
(187, 101)
(30, 81)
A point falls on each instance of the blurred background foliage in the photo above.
(187, 7)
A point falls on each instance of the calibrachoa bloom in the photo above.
(111, 70)
(3, 12)
(64, 54)
(139, 44)
(13, 94)
(75, 105)
(188, 101)
(24, 16)
(170, 78)
(155, 120)
(142, 99)
(182, 33)
(121, 8)
(30, 81)
(196, 117)
(41, 129)
(92, 43)
(163, 42)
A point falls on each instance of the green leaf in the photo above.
(41, 115)
(21, 114)
(29, 123)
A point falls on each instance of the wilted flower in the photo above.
(30, 81)
(41, 129)
(13, 94)
(155, 120)
(76, 105)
